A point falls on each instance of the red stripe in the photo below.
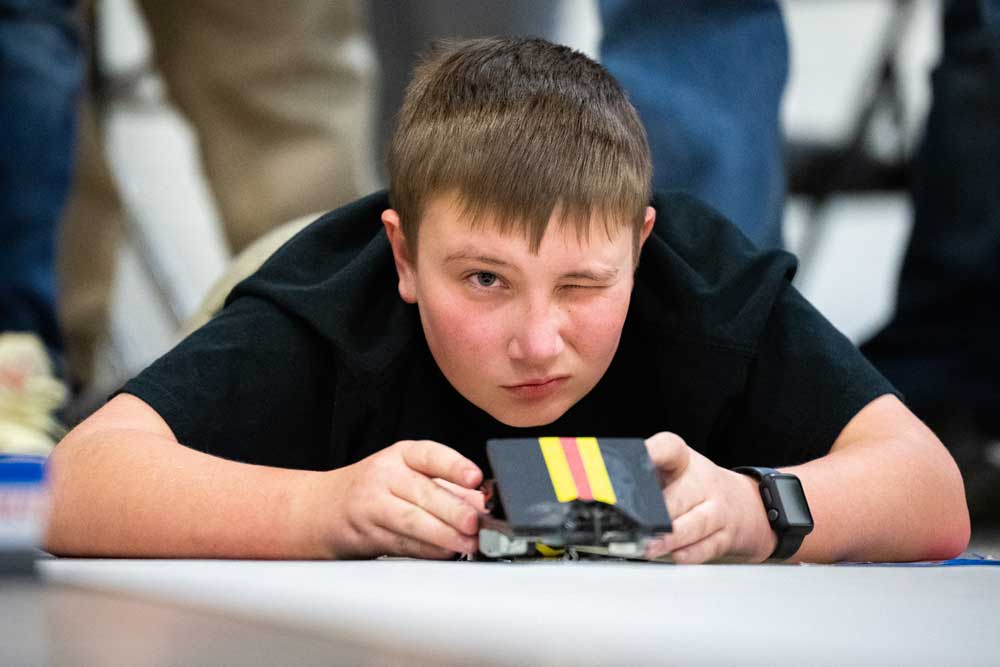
(579, 473)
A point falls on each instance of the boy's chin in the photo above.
(522, 418)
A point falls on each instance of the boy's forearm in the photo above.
(899, 498)
(132, 493)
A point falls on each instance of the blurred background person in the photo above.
(40, 73)
(942, 347)
(707, 78)
(278, 103)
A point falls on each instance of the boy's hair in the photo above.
(519, 128)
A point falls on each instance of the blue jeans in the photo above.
(707, 78)
(40, 75)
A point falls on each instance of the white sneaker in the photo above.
(29, 396)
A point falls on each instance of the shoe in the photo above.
(30, 395)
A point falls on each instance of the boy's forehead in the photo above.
(448, 219)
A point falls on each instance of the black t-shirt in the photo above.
(316, 362)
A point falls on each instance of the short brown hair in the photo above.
(519, 128)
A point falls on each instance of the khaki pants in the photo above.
(279, 102)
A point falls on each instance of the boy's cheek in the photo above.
(460, 324)
(597, 328)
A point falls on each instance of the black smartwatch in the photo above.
(786, 507)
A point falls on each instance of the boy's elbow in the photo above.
(949, 541)
(75, 473)
(949, 535)
(56, 535)
(959, 539)
(958, 531)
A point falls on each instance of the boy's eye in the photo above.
(485, 279)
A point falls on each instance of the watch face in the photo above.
(793, 501)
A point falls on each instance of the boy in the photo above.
(505, 298)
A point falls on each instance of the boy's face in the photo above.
(522, 336)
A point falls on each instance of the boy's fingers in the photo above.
(680, 496)
(710, 548)
(394, 544)
(688, 529)
(410, 521)
(472, 496)
(433, 459)
(436, 500)
(669, 454)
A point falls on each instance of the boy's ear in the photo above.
(401, 255)
(647, 225)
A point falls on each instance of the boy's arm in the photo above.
(123, 486)
(888, 490)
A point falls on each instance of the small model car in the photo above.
(559, 496)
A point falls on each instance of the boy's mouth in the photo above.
(538, 387)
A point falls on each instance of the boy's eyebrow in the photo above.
(595, 274)
(463, 255)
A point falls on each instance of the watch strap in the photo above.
(787, 546)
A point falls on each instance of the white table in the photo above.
(427, 613)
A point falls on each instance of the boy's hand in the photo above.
(390, 504)
(716, 513)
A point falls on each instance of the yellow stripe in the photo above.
(597, 473)
(555, 461)
(549, 552)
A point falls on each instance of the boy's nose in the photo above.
(538, 339)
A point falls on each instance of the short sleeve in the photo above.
(805, 383)
(254, 384)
